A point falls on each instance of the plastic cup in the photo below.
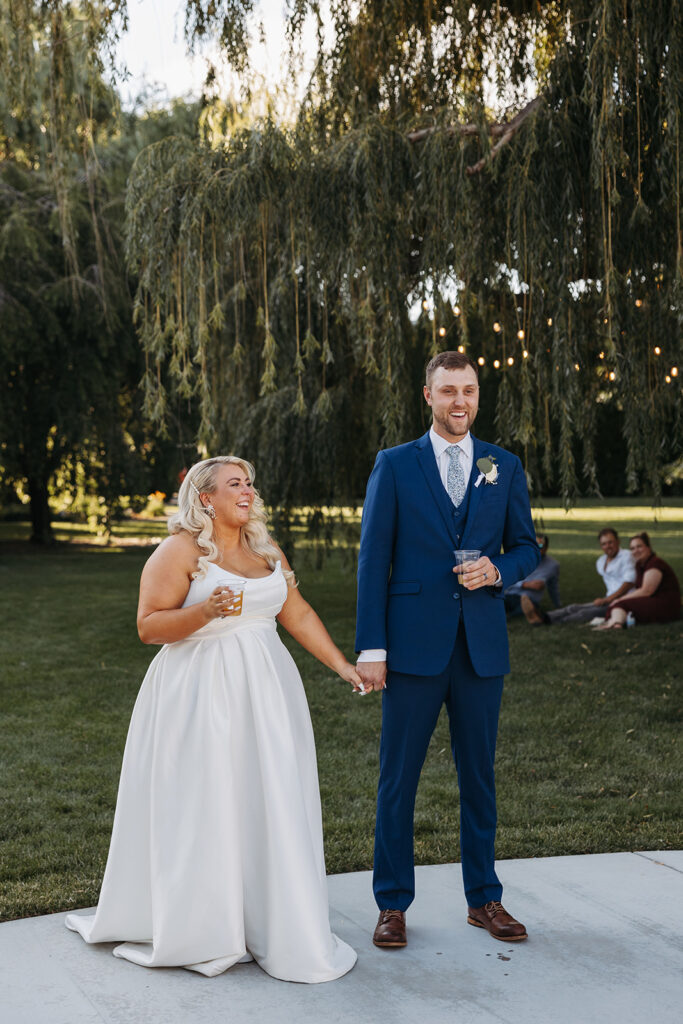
(234, 594)
(463, 557)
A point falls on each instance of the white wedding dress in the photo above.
(216, 854)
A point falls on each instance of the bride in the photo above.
(216, 854)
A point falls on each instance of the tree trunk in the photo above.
(40, 513)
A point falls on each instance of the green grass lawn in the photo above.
(588, 759)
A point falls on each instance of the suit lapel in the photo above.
(478, 450)
(427, 463)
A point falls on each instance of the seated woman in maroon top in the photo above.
(657, 593)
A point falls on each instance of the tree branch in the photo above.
(503, 131)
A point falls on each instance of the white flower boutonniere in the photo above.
(488, 470)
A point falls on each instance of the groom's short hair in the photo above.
(449, 361)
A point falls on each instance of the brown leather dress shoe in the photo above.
(495, 919)
(390, 932)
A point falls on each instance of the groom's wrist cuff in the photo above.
(375, 654)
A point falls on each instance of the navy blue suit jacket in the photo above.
(406, 583)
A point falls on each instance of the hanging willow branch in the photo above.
(504, 131)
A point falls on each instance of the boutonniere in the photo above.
(488, 470)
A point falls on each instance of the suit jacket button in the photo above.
(456, 596)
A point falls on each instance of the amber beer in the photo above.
(234, 593)
(462, 557)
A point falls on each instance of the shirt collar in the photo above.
(440, 444)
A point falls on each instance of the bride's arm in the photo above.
(164, 584)
(302, 622)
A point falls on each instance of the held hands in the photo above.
(349, 675)
(474, 575)
(373, 675)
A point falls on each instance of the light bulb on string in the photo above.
(461, 348)
(510, 361)
(667, 379)
(425, 304)
(674, 371)
(601, 355)
(496, 326)
(481, 360)
(639, 303)
(612, 375)
(577, 367)
(456, 310)
(525, 354)
(657, 350)
(496, 363)
(442, 332)
(520, 334)
(549, 321)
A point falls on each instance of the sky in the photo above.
(154, 51)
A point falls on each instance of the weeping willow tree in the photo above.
(503, 177)
(510, 170)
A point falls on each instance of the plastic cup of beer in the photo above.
(233, 592)
(463, 557)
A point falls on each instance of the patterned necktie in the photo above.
(456, 476)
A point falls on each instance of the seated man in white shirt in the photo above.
(524, 597)
(618, 572)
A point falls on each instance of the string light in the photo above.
(510, 360)
(577, 367)
(612, 375)
(601, 355)
(481, 360)
(425, 304)
(496, 363)
(667, 379)
(442, 332)
(605, 321)
(658, 350)
(550, 321)
(525, 354)
(461, 348)
(639, 303)
(674, 371)
(520, 334)
(456, 310)
(497, 328)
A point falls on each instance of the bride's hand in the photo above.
(218, 603)
(348, 674)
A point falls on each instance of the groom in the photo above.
(427, 639)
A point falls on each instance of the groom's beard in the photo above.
(454, 429)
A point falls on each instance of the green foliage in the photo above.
(70, 364)
(404, 178)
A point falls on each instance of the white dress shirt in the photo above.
(619, 570)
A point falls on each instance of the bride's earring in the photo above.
(210, 511)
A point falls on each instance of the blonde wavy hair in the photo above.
(193, 518)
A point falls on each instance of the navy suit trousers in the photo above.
(410, 709)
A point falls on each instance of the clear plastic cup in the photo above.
(234, 594)
(463, 556)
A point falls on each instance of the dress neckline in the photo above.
(252, 579)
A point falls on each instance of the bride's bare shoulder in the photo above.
(180, 548)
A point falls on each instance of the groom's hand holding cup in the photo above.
(474, 571)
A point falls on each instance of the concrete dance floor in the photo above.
(605, 946)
